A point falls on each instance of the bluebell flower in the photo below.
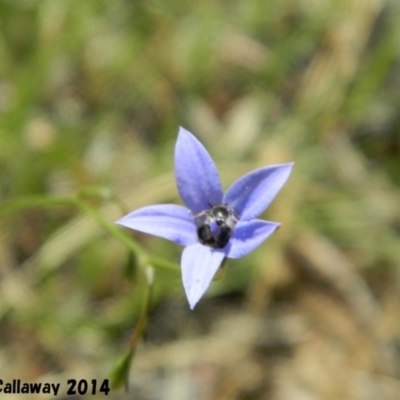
(214, 224)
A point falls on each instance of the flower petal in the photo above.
(199, 265)
(197, 177)
(168, 221)
(249, 235)
(253, 193)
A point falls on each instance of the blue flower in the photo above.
(214, 224)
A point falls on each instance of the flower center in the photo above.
(215, 226)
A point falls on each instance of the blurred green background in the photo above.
(91, 96)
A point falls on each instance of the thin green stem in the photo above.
(16, 205)
(141, 326)
(110, 227)
(118, 233)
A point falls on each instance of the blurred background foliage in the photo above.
(91, 96)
